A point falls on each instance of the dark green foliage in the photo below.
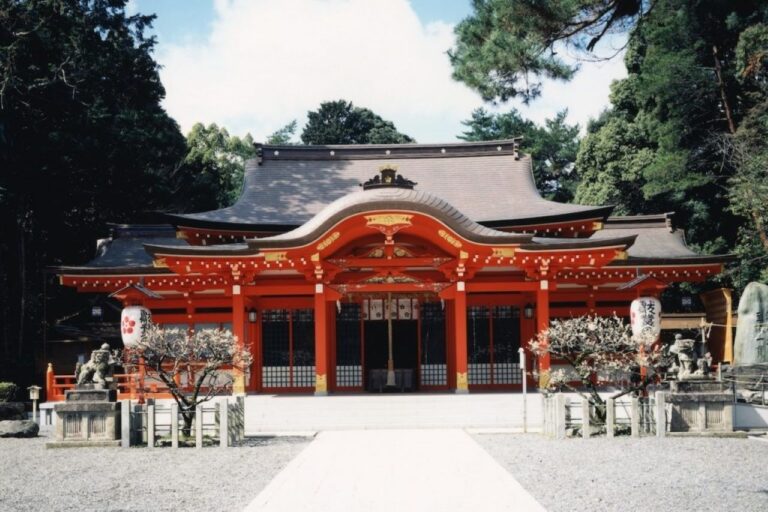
(213, 167)
(684, 133)
(553, 146)
(283, 135)
(506, 47)
(8, 391)
(83, 141)
(340, 122)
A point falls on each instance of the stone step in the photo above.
(275, 413)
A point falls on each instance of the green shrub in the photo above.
(7, 391)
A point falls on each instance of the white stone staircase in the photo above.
(305, 413)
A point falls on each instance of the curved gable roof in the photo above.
(389, 199)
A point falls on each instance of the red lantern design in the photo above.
(134, 322)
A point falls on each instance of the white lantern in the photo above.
(134, 322)
(645, 317)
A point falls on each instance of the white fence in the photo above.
(220, 422)
(638, 416)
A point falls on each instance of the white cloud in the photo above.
(265, 63)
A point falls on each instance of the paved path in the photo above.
(394, 471)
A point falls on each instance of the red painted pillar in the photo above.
(321, 341)
(542, 324)
(238, 329)
(460, 338)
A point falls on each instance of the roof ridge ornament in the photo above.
(388, 178)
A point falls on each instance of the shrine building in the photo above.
(340, 266)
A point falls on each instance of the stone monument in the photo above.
(90, 414)
(751, 345)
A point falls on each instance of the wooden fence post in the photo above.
(151, 425)
(125, 424)
(224, 422)
(610, 417)
(199, 426)
(174, 425)
(585, 433)
(241, 416)
(635, 417)
(661, 414)
(560, 424)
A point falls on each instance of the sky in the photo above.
(253, 66)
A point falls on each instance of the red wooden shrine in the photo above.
(460, 266)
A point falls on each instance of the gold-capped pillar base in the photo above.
(462, 383)
(543, 379)
(321, 385)
(238, 386)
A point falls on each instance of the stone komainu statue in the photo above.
(97, 370)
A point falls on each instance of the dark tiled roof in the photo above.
(125, 251)
(658, 241)
(488, 182)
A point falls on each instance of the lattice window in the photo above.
(479, 373)
(349, 370)
(478, 335)
(288, 348)
(506, 334)
(433, 368)
(493, 340)
(434, 374)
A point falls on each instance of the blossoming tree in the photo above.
(601, 352)
(194, 366)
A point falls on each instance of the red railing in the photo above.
(128, 386)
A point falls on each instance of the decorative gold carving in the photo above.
(321, 383)
(461, 380)
(275, 256)
(388, 219)
(391, 280)
(315, 257)
(182, 235)
(597, 225)
(159, 263)
(402, 253)
(621, 255)
(503, 252)
(449, 238)
(328, 241)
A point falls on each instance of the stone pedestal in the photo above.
(700, 406)
(89, 417)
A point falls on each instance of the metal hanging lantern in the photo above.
(134, 323)
(645, 317)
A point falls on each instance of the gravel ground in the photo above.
(138, 479)
(623, 474)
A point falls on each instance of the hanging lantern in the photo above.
(134, 323)
(645, 317)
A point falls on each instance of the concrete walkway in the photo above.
(394, 471)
